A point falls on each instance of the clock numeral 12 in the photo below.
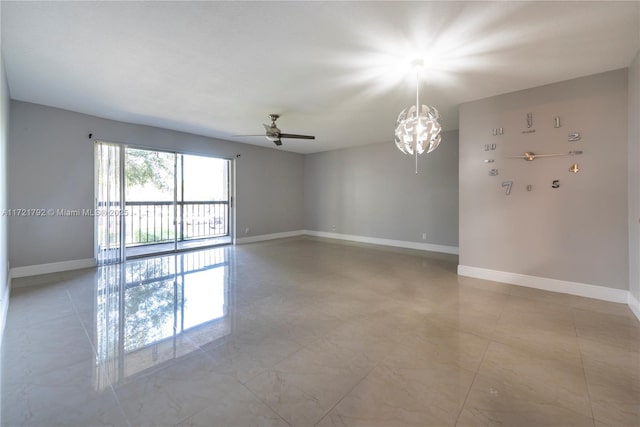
(508, 185)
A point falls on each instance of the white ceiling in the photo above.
(333, 69)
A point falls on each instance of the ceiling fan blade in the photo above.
(277, 142)
(293, 135)
(238, 136)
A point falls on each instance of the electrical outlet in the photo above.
(333, 227)
(246, 230)
(424, 236)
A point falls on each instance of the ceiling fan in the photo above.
(274, 134)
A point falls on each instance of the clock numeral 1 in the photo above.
(508, 185)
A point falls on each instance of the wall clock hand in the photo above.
(530, 156)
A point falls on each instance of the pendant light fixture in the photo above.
(418, 127)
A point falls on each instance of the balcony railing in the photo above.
(155, 222)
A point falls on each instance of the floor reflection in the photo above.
(153, 310)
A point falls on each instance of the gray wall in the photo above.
(4, 267)
(51, 166)
(373, 191)
(634, 177)
(577, 232)
(4, 125)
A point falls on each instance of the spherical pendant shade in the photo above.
(417, 133)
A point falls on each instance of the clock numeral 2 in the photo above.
(508, 185)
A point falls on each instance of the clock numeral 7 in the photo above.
(508, 185)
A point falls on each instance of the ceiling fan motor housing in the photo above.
(273, 133)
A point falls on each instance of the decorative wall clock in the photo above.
(530, 156)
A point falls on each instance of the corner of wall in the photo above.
(5, 275)
(634, 305)
(4, 306)
(634, 182)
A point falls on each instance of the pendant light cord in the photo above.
(415, 148)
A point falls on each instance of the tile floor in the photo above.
(304, 332)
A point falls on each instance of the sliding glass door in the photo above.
(171, 201)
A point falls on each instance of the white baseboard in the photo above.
(386, 242)
(54, 267)
(544, 283)
(634, 305)
(33, 270)
(263, 237)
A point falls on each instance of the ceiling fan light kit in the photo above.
(418, 127)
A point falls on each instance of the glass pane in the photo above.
(205, 206)
(149, 195)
